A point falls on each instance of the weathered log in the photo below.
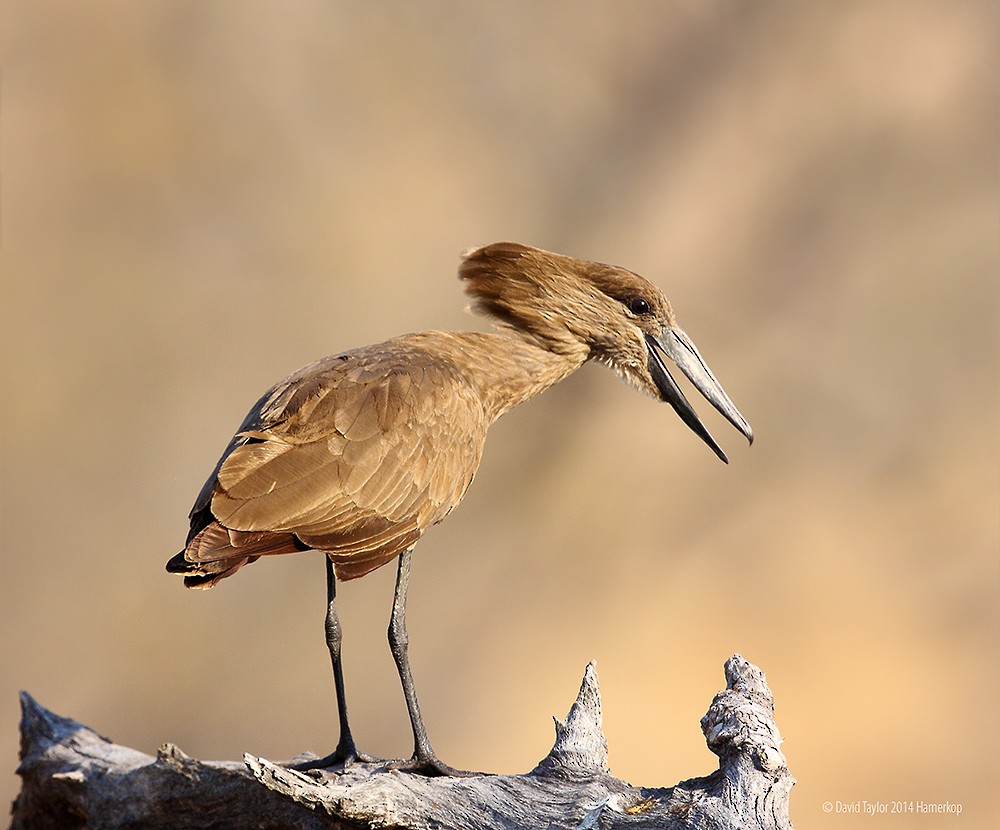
(74, 778)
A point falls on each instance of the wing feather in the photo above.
(254, 470)
(356, 455)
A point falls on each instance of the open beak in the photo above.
(676, 345)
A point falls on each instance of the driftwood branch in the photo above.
(74, 778)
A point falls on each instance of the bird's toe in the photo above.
(340, 760)
(431, 766)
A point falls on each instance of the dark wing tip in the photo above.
(178, 564)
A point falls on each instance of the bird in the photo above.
(356, 455)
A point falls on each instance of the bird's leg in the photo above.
(424, 760)
(346, 752)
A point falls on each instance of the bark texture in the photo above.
(74, 778)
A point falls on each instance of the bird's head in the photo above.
(609, 314)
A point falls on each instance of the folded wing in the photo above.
(356, 455)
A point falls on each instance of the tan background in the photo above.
(199, 197)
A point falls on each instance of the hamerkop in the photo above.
(358, 454)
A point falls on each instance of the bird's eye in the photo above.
(638, 305)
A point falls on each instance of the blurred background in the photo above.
(198, 198)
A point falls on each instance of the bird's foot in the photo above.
(429, 765)
(342, 758)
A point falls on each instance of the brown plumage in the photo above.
(359, 453)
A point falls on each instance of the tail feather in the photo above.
(204, 575)
(216, 552)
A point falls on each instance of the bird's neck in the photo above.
(509, 370)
